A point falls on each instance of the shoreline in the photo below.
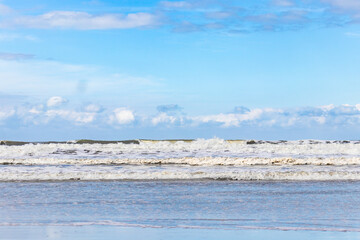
(111, 232)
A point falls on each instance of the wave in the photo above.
(190, 161)
(101, 173)
(200, 148)
(215, 159)
(138, 141)
(81, 141)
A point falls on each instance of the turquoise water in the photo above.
(180, 209)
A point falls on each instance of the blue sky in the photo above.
(179, 69)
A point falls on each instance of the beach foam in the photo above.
(179, 149)
(95, 173)
(181, 159)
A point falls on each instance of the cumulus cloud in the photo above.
(93, 108)
(163, 118)
(56, 101)
(70, 115)
(342, 115)
(235, 119)
(344, 110)
(122, 116)
(327, 107)
(307, 118)
(84, 20)
(37, 109)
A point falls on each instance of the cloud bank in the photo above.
(92, 114)
(75, 120)
(85, 21)
(197, 15)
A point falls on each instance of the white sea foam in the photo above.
(199, 159)
(90, 173)
(181, 149)
(192, 161)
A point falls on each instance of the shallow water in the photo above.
(226, 205)
(201, 189)
(134, 233)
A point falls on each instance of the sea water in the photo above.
(215, 159)
(201, 189)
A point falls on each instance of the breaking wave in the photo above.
(180, 159)
(95, 173)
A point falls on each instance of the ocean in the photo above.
(176, 189)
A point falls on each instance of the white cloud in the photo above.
(15, 36)
(235, 119)
(73, 116)
(283, 3)
(226, 119)
(122, 116)
(349, 9)
(36, 109)
(4, 114)
(163, 118)
(353, 34)
(349, 5)
(4, 10)
(84, 20)
(15, 56)
(320, 120)
(93, 108)
(175, 4)
(93, 115)
(327, 107)
(344, 109)
(195, 16)
(56, 101)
